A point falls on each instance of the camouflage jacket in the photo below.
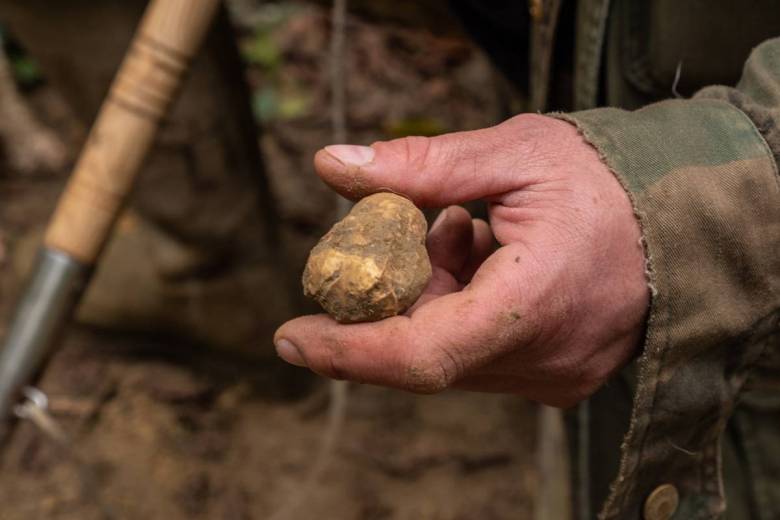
(702, 172)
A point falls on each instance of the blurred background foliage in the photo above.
(277, 94)
(280, 96)
(26, 70)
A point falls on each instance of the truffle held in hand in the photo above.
(372, 264)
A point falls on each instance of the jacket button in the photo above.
(662, 503)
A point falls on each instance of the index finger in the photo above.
(427, 351)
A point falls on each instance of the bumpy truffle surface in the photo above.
(372, 264)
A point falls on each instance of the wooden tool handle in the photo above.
(169, 34)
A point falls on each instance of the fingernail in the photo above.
(351, 154)
(290, 353)
(439, 220)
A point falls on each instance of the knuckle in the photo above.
(417, 151)
(336, 368)
(332, 360)
(431, 373)
(542, 140)
(593, 377)
(576, 393)
(581, 379)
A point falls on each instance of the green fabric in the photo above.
(661, 137)
(703, 178)
(760, 82)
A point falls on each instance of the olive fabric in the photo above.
(704, 183)
(702, 174)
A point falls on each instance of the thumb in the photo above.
(438, 171)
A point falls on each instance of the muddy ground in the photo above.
(160, 428)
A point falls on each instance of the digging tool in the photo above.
(148, 80)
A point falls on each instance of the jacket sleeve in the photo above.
(703, 176)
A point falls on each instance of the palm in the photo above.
(550, 313)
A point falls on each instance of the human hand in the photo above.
(550, 314)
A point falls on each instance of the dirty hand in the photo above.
(550, 314)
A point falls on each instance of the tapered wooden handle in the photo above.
(169, 34)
